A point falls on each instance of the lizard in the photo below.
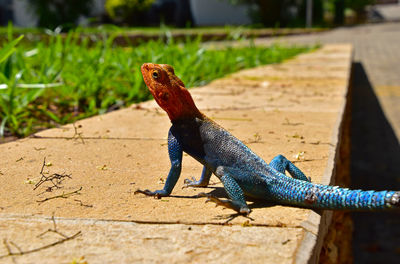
(242, 172)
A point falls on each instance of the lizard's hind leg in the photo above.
(282, 164)
(232, 188)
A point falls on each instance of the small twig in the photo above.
(63, 195)
(55, 178)
(77, 135)
(21, 252)
(7, 246)
(288, 123)
(16, 246)
(54, 230)
(304, 160)
(320, 143)
(82, 204)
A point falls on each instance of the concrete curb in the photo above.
(317, 225)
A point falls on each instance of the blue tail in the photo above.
(302, 193)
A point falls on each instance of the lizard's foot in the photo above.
(156, 194)
(192, 183)
(225, 203)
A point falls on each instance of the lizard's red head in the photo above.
(169, 91)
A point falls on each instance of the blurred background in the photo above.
(189, 13)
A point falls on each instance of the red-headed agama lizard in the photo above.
(240, 170)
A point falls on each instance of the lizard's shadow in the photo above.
(217, 191)
(254, 203)
(221, 193)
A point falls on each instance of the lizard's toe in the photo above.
(189, 183)
(225, 203)
(157, 194)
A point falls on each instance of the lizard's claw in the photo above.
(225, 203)
(157, 194)
(214, 199)
(192, 183)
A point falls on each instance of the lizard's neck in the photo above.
(183, 108)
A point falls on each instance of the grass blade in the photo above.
(9, 48)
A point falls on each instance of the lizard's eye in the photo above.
(155, 75)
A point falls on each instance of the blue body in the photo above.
(243, 173)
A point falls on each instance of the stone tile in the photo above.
(127, 242)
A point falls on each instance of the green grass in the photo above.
(111, 29)
(70, 78)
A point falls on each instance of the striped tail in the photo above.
(297, 192)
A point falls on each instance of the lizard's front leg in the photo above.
(175, 155)
(204, 179)
(232, 188)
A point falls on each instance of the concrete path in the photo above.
(93, 167)
(375, 128)
(388, 12)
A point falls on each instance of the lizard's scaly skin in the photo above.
(241, 171)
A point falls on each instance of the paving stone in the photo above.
(127, 242)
